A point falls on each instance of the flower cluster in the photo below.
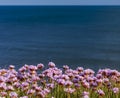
(32, 81)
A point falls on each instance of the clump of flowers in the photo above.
(32, 81)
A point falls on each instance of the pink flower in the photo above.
(75, 80)
(81, 78)
(80, 69)
(46, 90)
(41, 94)
(77, 85)
(85, 93)
(100, 92)
(114, 72)
(24, 86)
(106, 80)
(66, 67)
(16, 84)
(34, 85)
(99, 76)
(35, 78)
(13, 95)
(65, 77)
(70, 75)
(24, 97)
(51, 64)
(11, 67)
(30, 92)
(3, 71)
(86, 96)
(41, 76)
(2, 79)
(90, 79)
(69, 90)
(22, 69)
(89, 72)
(93, 84)
(10, 88)
(61, 81)
(85, 84)
(32, 68)
(38, 89)
(26, 66)
(50, 85)
(75, 72)
(3, 86)
(40, 66)
(115, 90)
(3, 94)
(99, 81)
(68, 83)
(32, 72)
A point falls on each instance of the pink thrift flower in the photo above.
(100, 92)
(22, 69)
(66, 67)
(115, 90)
(51, 64)
(32, 68)
(41, 94)
(86, 96)
(68, 83)
(40, 66)
(16, 84)
(11, 67)
(85, 93)
(80, 69)
(24, 97)
(13, 95)
(106, 80)
(2, 79)
(65, 77)
(69, 90)
(3, 94)
(38, 88)
(30, 92)
(46, 90)
(61, 81)
(86, 84)
(50, 85)
(10, 88)
(77, 85)
(3, 86)
(99, 81)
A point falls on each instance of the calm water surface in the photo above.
(87, 36)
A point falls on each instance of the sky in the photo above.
(59, 2)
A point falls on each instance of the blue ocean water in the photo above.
(87, 36)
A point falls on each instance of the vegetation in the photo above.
(36, 82)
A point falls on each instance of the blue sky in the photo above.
(59, 2)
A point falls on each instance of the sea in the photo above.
(86, 36)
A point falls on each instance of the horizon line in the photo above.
(59, 5)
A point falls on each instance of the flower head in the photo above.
(11, 67)
(51, 64)
(24, 97)
(115, 90)
(40, 66)
(100, 92)
(13, 95)
(65, 67)
(69, 90)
